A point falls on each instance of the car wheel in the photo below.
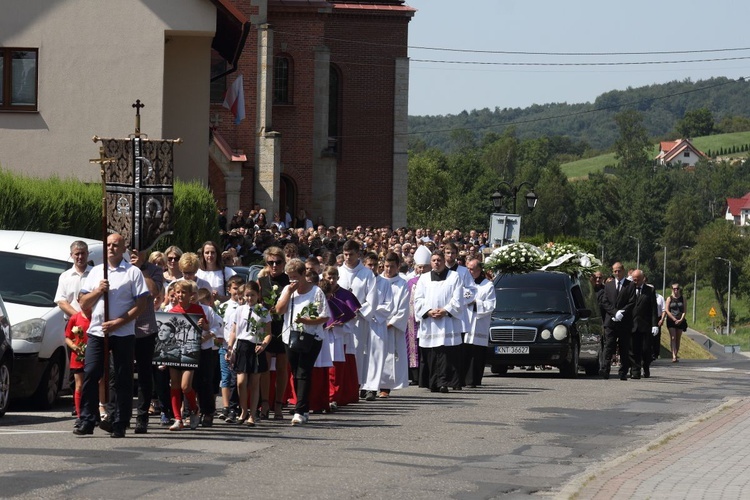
(569, 369)
(49, 386)
(499, 369)
(4, 386)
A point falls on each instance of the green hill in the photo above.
(581, 168)
(661, 105)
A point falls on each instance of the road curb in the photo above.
(577, 484)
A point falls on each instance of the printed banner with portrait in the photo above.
(178, 340)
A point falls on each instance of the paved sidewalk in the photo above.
(707, 458)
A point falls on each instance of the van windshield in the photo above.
(531, 300)
(28, 280)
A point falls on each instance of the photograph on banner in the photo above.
(178, 340)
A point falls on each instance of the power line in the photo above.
(618, 63)
(529, 53)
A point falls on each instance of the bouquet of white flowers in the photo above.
(569, 259)
(515, 258)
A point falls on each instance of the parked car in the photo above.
(6, 358)
(31, 264)
(545, 318)
(248, 273)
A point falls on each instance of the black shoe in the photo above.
(74, 413)
(362, 394)
(118, 432)
(141, 428)
(456, 387)
(207, 421)
(444, 389)
(77, 423)
(623, 376)
(231, 417)
(604, 374)
(636, 376)
(83, 429)
(646, 372)
(105, 425)
(434, 389)
(370, 396)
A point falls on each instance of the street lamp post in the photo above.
(729, 291)
(664, 272)
(695, 279)
(531, 197)
(638, 256)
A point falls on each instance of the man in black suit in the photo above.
(617, 302)
(645, 326)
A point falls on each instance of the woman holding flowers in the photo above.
(271, 285)
(305, 310)
(248, 340)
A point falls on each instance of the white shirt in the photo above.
(215, 279)
(244, 329)
(296, 304)
(69, 286)
(126, 286)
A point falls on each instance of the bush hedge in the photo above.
(73, 207)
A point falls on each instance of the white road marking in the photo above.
(713, 369)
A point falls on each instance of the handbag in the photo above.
(299, 341)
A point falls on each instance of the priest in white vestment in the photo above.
(359, 280)
(438, 300)
(480, 316)
(395, 373)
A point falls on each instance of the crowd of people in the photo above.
(335, 317)
(349, 320)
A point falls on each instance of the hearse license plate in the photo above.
(513, 349)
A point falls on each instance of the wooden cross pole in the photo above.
(103, 161)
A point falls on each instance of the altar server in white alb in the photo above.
(395, 374)
(480, 316)
(438, 300)
(359, 280)
(375, 355)
(450, 252)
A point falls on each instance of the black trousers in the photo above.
(445, 367)
(204, 381)
(144, 353)
(122, 354)
(640, 351)
(474, 357)
(301, 365)
(656, 345)
(614, 337)
(425, 357)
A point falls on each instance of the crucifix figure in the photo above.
(138, 105)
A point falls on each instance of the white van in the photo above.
(30, 265)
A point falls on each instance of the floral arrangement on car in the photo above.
(569, 259)
(514, 258)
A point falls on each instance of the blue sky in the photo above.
(576, 26)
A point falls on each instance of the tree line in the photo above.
(590, 125)
(609, 214)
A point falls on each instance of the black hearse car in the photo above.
(545, 318)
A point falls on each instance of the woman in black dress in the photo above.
(676, 322)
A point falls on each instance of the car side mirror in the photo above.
(584, 313)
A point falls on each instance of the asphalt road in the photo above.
(527, 433)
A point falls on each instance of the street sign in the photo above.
(712, 312)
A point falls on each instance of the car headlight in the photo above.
(31, 330)
(560, 332)
(546, 334)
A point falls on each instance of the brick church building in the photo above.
(326, 99)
